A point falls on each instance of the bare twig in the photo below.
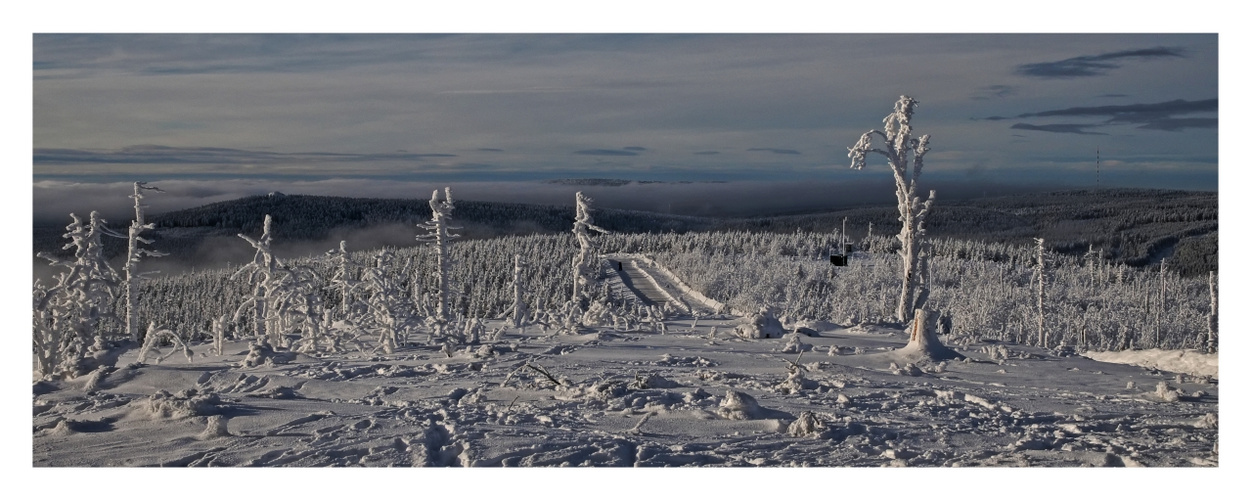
(545, 373)
(637, 428)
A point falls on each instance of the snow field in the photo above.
(611, 398)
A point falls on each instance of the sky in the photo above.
(1011, 109)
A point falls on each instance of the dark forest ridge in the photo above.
(1135, 226)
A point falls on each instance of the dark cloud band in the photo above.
(1097, 65)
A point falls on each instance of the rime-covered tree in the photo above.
(386, 301)
(296, 302)
(343, 278)
(1210, 341)
(518, 309)
(262, 273)
(585, 262)
(1040, 280)
(902, 150)
(133, 254)
(438, 234)
(71, 311)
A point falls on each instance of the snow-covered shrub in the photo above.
(152, 341)
(186, 403)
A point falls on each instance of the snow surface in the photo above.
(1190, 362)
(628, 399)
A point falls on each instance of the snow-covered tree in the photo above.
(386, 302)
(1040, 279)
(585, 262)
(437, 233)
(133, 254)
(1210, 342)
(902, 150)
(262, 273)
(297, 303)
(73, 309)
(519, 308)
(343, 280)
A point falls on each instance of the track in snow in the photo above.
(654, 287)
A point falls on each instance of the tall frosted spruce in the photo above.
(901, 149)
(133, 255)
(585, 262)
(437, 233)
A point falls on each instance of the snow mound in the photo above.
(1178, 361)
(762, 325)
(807, 425)
(739, 406)
(188, 403)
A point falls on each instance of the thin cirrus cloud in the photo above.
(1058, 128)
(1162, 116)
(994, 92)
(606, 152)
(155, 154)
(1097, 65)
(777, 151)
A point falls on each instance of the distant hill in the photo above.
(1138, 227)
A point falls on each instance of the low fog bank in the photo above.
(55, 200)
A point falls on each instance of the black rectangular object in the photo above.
(839, 260)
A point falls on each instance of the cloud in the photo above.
(1097, 65)
(776, 151)
(994, 92)
(706, 152)
(1176, 124)
(1154, 116)
(635, 148)
(166, 155)
(1059, 128)
(1135, 112)
(606, 152)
